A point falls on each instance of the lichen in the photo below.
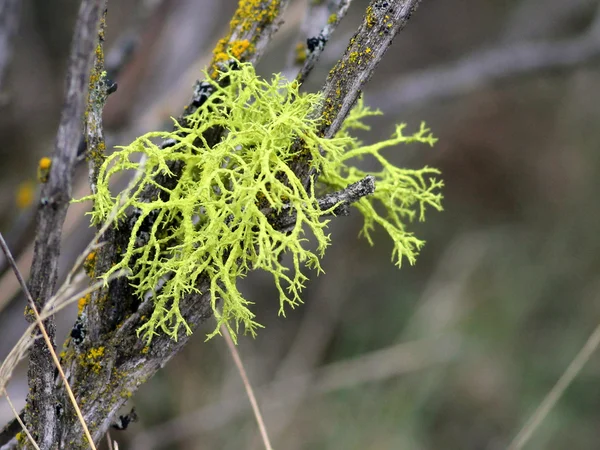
(300, 53)
(44, 169)
(218, 220)
(89, 264)
(92, 359)
(249, 15)
(82, 302)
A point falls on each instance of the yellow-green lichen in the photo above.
(220, 214)
(370, 17)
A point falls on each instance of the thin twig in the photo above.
(47, 340)
(486, 67)
(319, 23)
(18, 418)
(249, 391)
(557, 391)
(109, 440)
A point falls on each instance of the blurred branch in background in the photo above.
(380, 365)
(485, 67)
(9, 23)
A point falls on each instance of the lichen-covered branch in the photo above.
(250, 31)
(251, 154)
(41, 414)
(383, 20)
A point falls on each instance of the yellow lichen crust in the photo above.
(250, 15)
(44, 169)
(93, 359)
(217, 221)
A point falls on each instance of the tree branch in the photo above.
(485, 67)
(41, 415)
(381, 23)
(103, 384)
(320, 22)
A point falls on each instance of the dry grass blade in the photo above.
(249, 391)
(16, 413)
(557, 391)
(54, 305)
(40, 324)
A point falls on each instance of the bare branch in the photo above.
(342, 199)
(56, 194)
(382, 22)
(320, 22)
(489, 66)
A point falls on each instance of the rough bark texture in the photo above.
(105, 360)
(41, 414)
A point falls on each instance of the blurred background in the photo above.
(455, 352)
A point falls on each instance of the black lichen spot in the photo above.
(316, 42)
(78, 333)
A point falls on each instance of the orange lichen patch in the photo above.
(82, 302)
(238, 48)
(251, 12)
(224, 51)
(45, 163)
(44, 169)
(300, 53)
(25, 194)
(89, 265)
(250, 15)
